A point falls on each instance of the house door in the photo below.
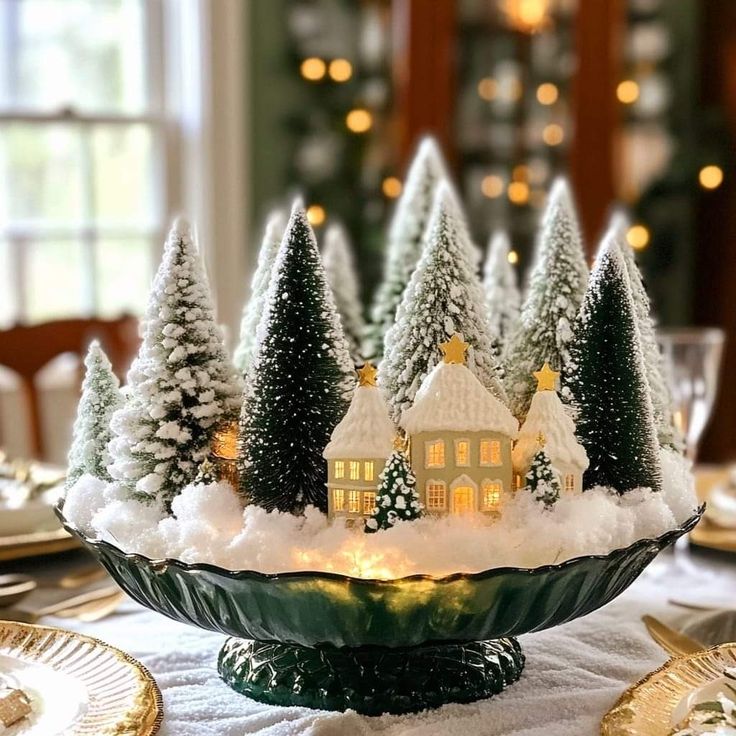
(462, 500)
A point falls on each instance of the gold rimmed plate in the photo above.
(656, 704)
(78, 686)
(36, 543)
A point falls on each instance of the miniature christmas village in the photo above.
(466, 395)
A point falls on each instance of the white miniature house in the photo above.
(548, 418)
(460, 439)
(358, 450)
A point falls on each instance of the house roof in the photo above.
(366, 431)
(452, 398)
(548, 416)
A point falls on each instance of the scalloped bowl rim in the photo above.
(662, 540)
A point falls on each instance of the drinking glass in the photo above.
(693, 360)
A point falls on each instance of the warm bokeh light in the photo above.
(518, 192)
(553, 134)
(316, 214)
(359, 120)
(638, 237)
(710, 177)
(547, 93)
(627, 91)
(391, 187)
(520, 173)
(513, 257)
(488, 88)
(527, 16)
(492, 186)
(340, 70)
(313, 69)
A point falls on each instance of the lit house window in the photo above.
(435, 454)
(339, 468)
(368, 472)
(338, 499)
(369, 502)
(462, 452)
(569, 482)
(491, 495)
(354, 502)
(490, 452)
(354, 470)
(518, 482)
(83, 133)
(436, 495)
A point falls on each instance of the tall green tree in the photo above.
(396, 498)
(556, 289)
(275, 225)
(404, 245)
(300, 383)
(180, 386)
(100, 398)
(606, 377)
(501, 286)
(444, 297)
(337, 258)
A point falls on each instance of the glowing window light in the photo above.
(359, 120)
(313, 69)
(710, 177)
(627, 91)
(491, 495)
(391, 187)
(340, 70)
(547, 93)
(638, 237)
(492, 186)
(316, 214)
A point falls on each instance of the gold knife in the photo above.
(32, 617)
(675, 643)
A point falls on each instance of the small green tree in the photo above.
(396, 498)
(606, 378)
(541, 480)
(100, 398)
(299, 384)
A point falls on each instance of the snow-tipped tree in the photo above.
(300, 382)
(541, 480)
(182, 383)
(342, 278)
(396, 498)
(100, 398)
(404, 244)
(556, 289)
(444, 297)
(667, 432)
(501, 286)
(606, 377)
(274, 232)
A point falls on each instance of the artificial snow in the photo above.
(209, 525)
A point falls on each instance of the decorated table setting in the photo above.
(456, 526)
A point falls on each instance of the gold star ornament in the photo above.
(453, 351)
(546, 378)
(367, 375)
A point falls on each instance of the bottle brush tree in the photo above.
(180, 386)
(300, 382)
(556, 289)
(100, 398)
(396, 498)
(606, 378)
(541, 480)
(501, 286)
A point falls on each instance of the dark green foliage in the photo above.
(396, 498)
(300, 381)
(542, 481)
(607, 380)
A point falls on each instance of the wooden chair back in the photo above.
(27, 349)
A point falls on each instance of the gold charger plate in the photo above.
(36, 543)
(706, 533)
(647, 708)
(79, 686)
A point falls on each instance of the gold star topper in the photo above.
(541, 440)
(546, 378)
(367, 375)
(453, 351)
(401, 442)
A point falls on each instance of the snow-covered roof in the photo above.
(547, 415)
(366, 431)
(452, 398)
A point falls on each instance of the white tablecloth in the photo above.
(573, 674)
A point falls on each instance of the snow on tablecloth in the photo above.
(573, 675)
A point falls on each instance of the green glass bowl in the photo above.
(315, 609)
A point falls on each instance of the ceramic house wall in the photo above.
(350, 497)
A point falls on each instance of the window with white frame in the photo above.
(436, 493)
(82, 156)
(435, 454)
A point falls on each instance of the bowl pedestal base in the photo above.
(370, 680)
